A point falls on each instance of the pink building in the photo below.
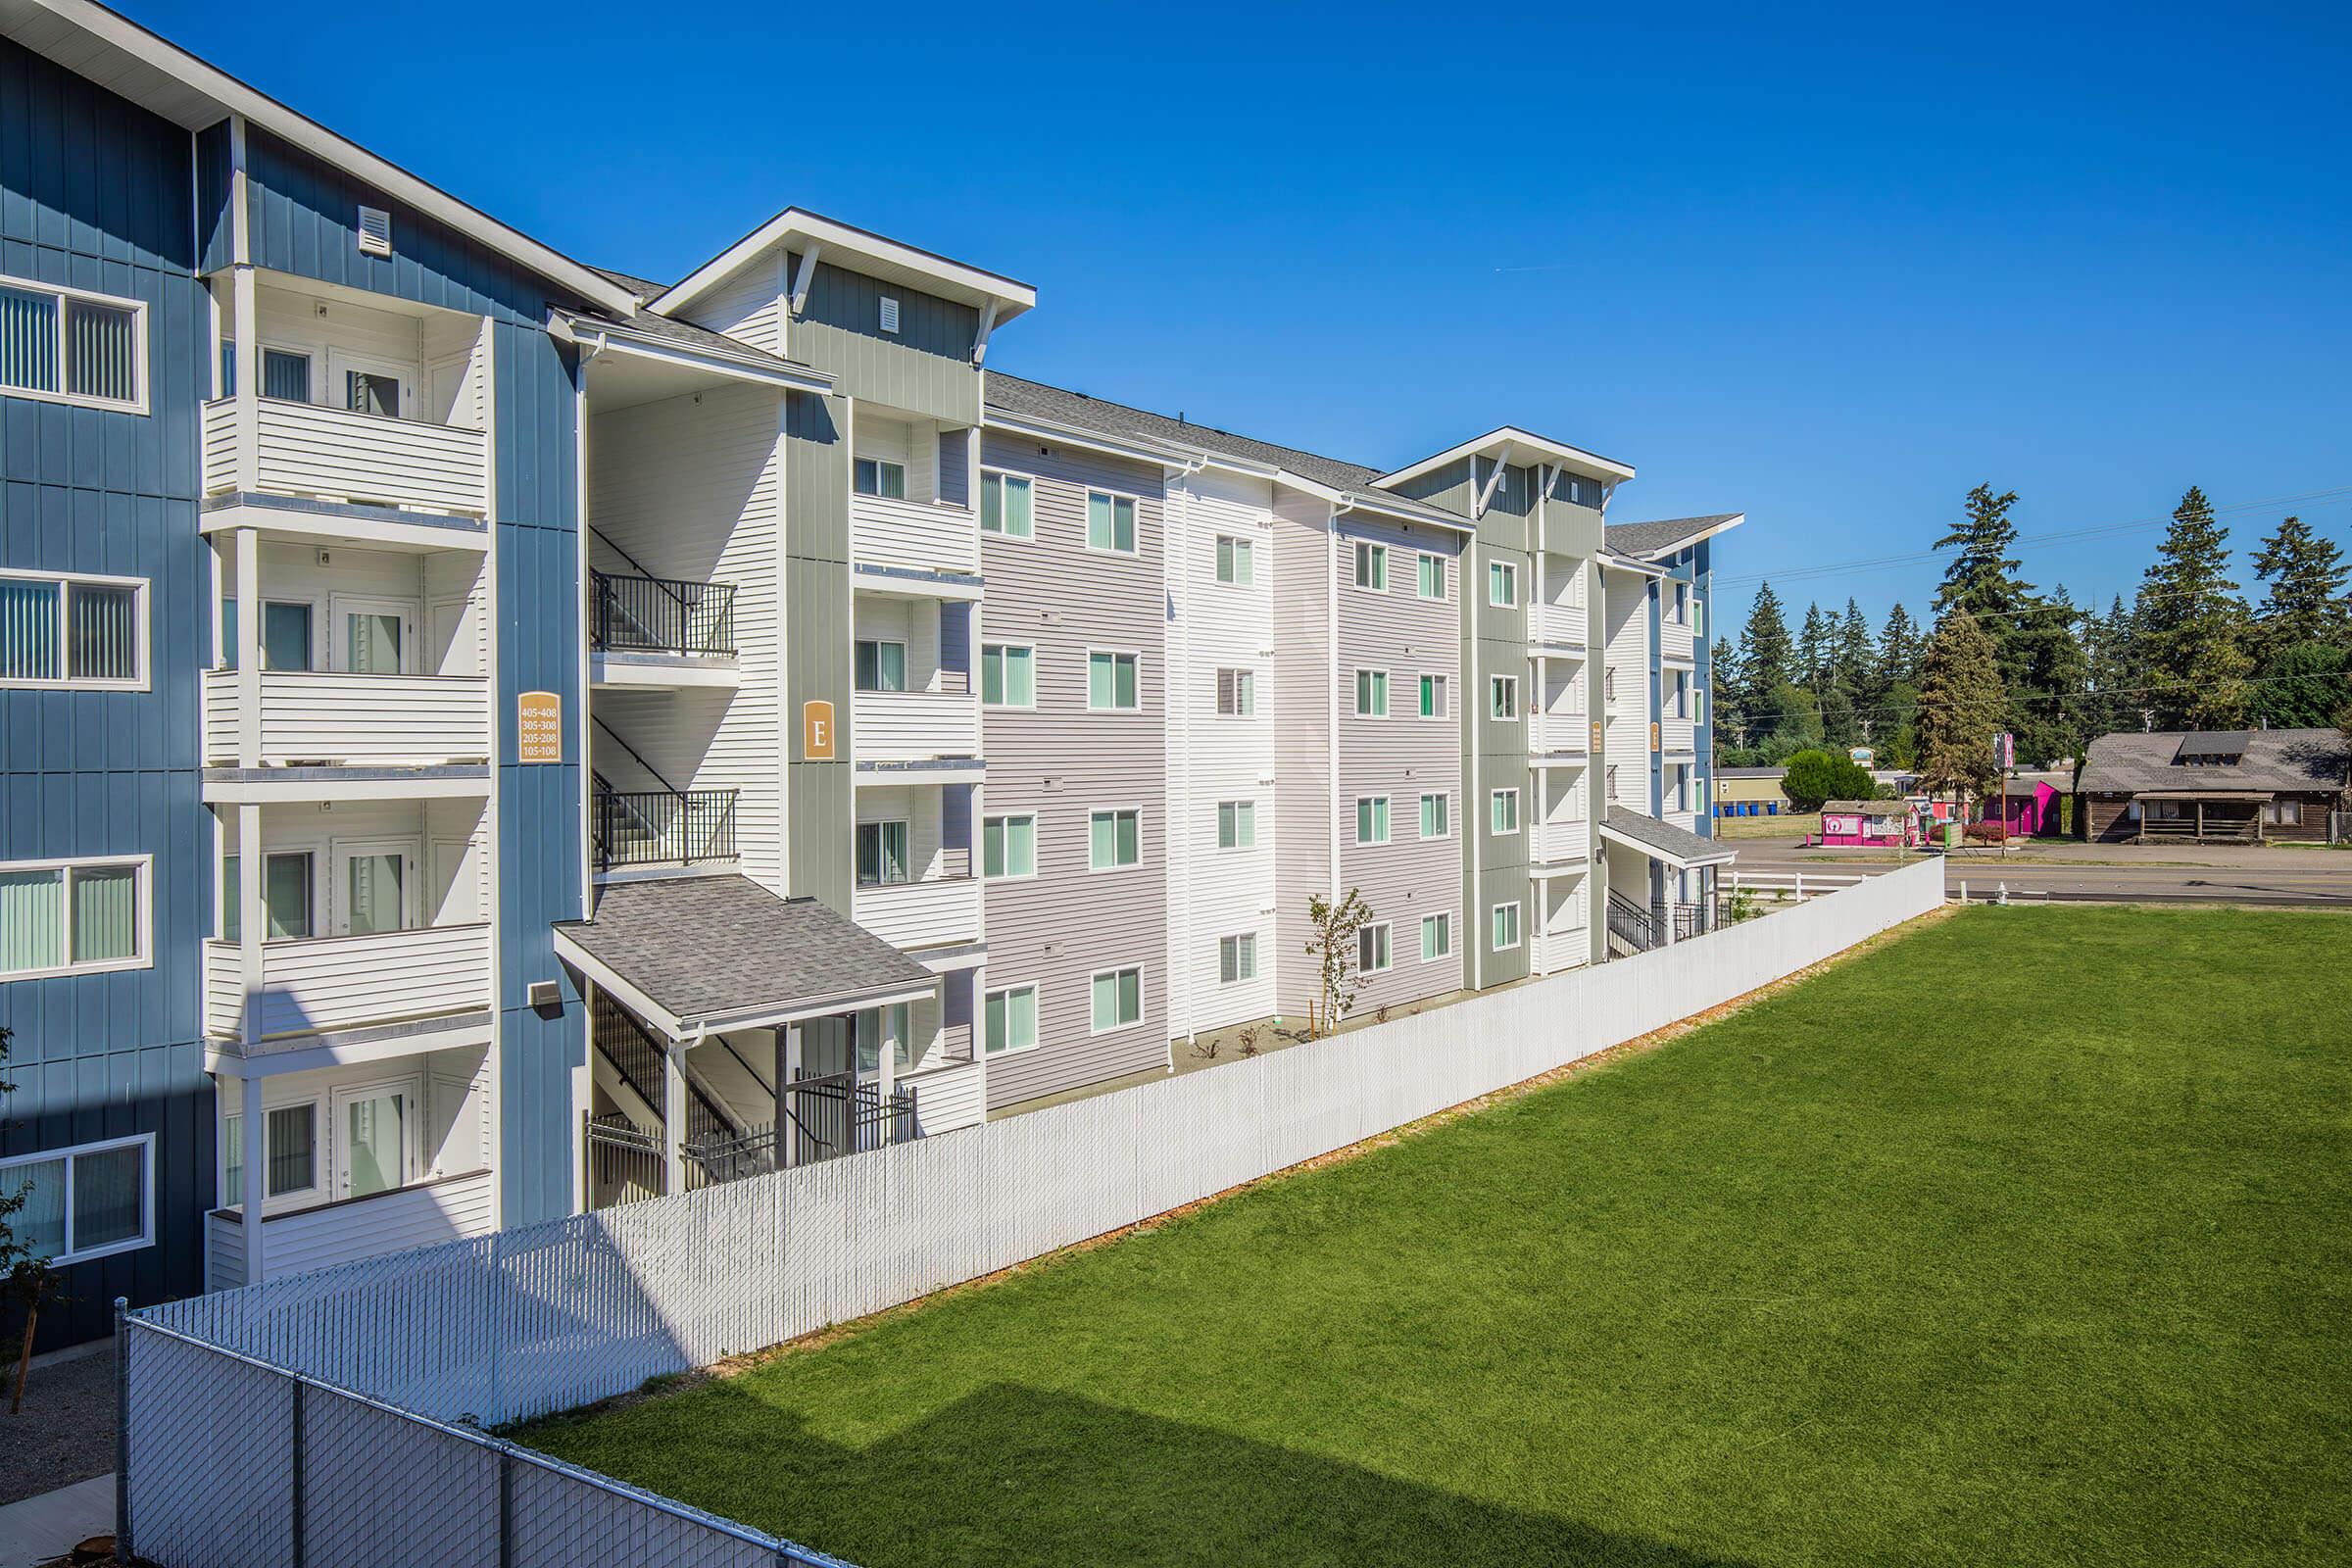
(2031, 806)
(1876, 824)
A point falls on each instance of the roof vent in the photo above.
(375, 232)
(890, 314)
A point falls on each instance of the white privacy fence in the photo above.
(524, 1322)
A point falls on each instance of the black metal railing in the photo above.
(1690, 920)
(661, 616)
(660, 827)
(1632, 925)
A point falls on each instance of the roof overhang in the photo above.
(1681, 542)
(890, 260)
(1134, 448)
(2201, 795)
(1520, 446)
(600, 336)
(125, 57)
(1390, 505)
(685, 1028)
(1700, 851)
(1618, 561)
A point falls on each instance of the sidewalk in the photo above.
(38, 1530)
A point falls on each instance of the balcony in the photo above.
(659, 828)
(329, 719)
(312, 985)
(437, 1211)
(920, 915)
(1556, 625)
(1563, 842)
(1677, 737)
(1562, 735)
(1675, 640)
(319, 453)
(895, 728)
(913, 535)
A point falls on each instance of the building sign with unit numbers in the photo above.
(538, 728)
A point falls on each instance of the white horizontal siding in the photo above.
(346, 1233)
(377, 719)
(949, 1098)
(918, 914)
(342, 982)
(914, 726)
(916, 535)
(308, 449)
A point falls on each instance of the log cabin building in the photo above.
(2212, 786)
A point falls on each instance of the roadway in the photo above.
(2099, 873)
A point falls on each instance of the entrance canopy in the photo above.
(693, 955)
(1661, 841)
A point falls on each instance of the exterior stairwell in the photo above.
(1631, 928)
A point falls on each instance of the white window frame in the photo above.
(138, 349)
(1238, 939)
(880, 463)
(1019, 708)
(1238, 808)
(879, 642)
(1037, 843)
(1113, 812)
(1388, 947)
(1142, 1007)
(293, 1199)
(1242, 552)
(1502, 690)
(144, 1142)
(1114, 655)
(1244, 691)
(1518, 927)
(1037, 994)
(1445, 924)
(143, 934)
(1384, 818)
(66, 681)
(1423, 560)
(1518, 818)
(858, 831)
(1371, 553)
(1507, 574)
(1445, 809)
(980, 510)
(1358, 709)
(1086, 521)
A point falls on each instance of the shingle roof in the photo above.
(710, 946)
(2303, 760)
(1648, 539)
(1015, 395)
(1678, 845)
(1868, 807)
(683, 333)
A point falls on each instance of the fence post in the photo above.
(506, 1506)
(122, 1429)
(1801, 886)
(301, 1552)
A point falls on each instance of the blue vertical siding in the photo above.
(95, 193)
(1700, 562)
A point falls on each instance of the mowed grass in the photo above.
(2026, 1238)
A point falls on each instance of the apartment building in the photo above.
(488, 736)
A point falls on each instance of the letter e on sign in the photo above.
(538, 728)
(816, 731)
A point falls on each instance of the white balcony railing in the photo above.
(1562, 842)
(913, 535)
(1675, 640)
(914, 726)
(377, 720)
(1677, 736)
(437, 1211)
(922, 915)
(1558, 735)
(330, 453)
(319, 983)
(1556, 625)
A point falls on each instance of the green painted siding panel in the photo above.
(818, 795)
(924, 367)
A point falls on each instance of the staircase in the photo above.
(1631, 928)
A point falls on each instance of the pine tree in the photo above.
(1982, 577)
(2110, 704)
(2046, 694)
(2193, 627)
(1764, 646)
(1899, 650)
(1729, 673)
(1961, 705)
(1813, 649)
(1854, 664)
(2305, 575)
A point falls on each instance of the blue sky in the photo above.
(1828, 267)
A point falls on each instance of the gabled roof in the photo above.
(875, 255)
(668, 337)
(1512, 443)
(125, 57)
(1662, 840)
(1648, 541)
(2304, 760)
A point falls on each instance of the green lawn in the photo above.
(2025, 1239)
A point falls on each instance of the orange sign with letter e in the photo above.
(538, 728)
(816, 731)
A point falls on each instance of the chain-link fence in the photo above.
(229, 1462)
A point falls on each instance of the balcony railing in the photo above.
(1556, 625)
(913, 535)
(436, 1211)
(920, 915)
(1558, 735)
(1564, 842)
(330, 454)
(914, 726)
(661, 616)
(1675, 639)
(660, 827)
(331, 717)
(313, 984)
(1677, 735)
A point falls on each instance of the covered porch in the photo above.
(2201, 816)
(1661, 879)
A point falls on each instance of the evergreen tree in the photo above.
(1899, 650)
(2046, 693)
(2303, 686)
(1961, 706)
(2305, 576)
(2110, 704)
(1813, 649)
(1854, 664)
(1767, 658)
(1982, 575)
(2192, 625)
(1729, 672)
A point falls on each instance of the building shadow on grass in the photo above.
(1011, 1474)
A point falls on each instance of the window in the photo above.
(1237, 693)
(1678, 696)
(374, 393)
(1428, 579)
(66, 346)
(881, 854)
(87, 1202)
(1237, 825)
(1502, 811)
(1111, 682)
(869, 1026)
(1237, 561)
(73, 631)
(889, 315)
(1698, 705)
(1011, 1020)
(292, 1162)
(1437, 936)
(1372, 948)
(1681, 603)
(1699, 618)
(71, 914)
(1502, 697)
(285, 375)
(287, 892)
(1502, 585)
(1433, 697)
(881, 666)
(1435, 821)
(1372, 566)
(1372, 820)
(1118, 998)
(1371, 694)
(1507, 927)
(880, 476)
(1009, 845)
(1115, 840)
(1237, 958)
(1008, 506)
(1110, 522)
(1007, 676)
(2282, 813)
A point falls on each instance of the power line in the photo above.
(2102, 694)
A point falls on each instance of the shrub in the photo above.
(1987, 833)
(1813, 778)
